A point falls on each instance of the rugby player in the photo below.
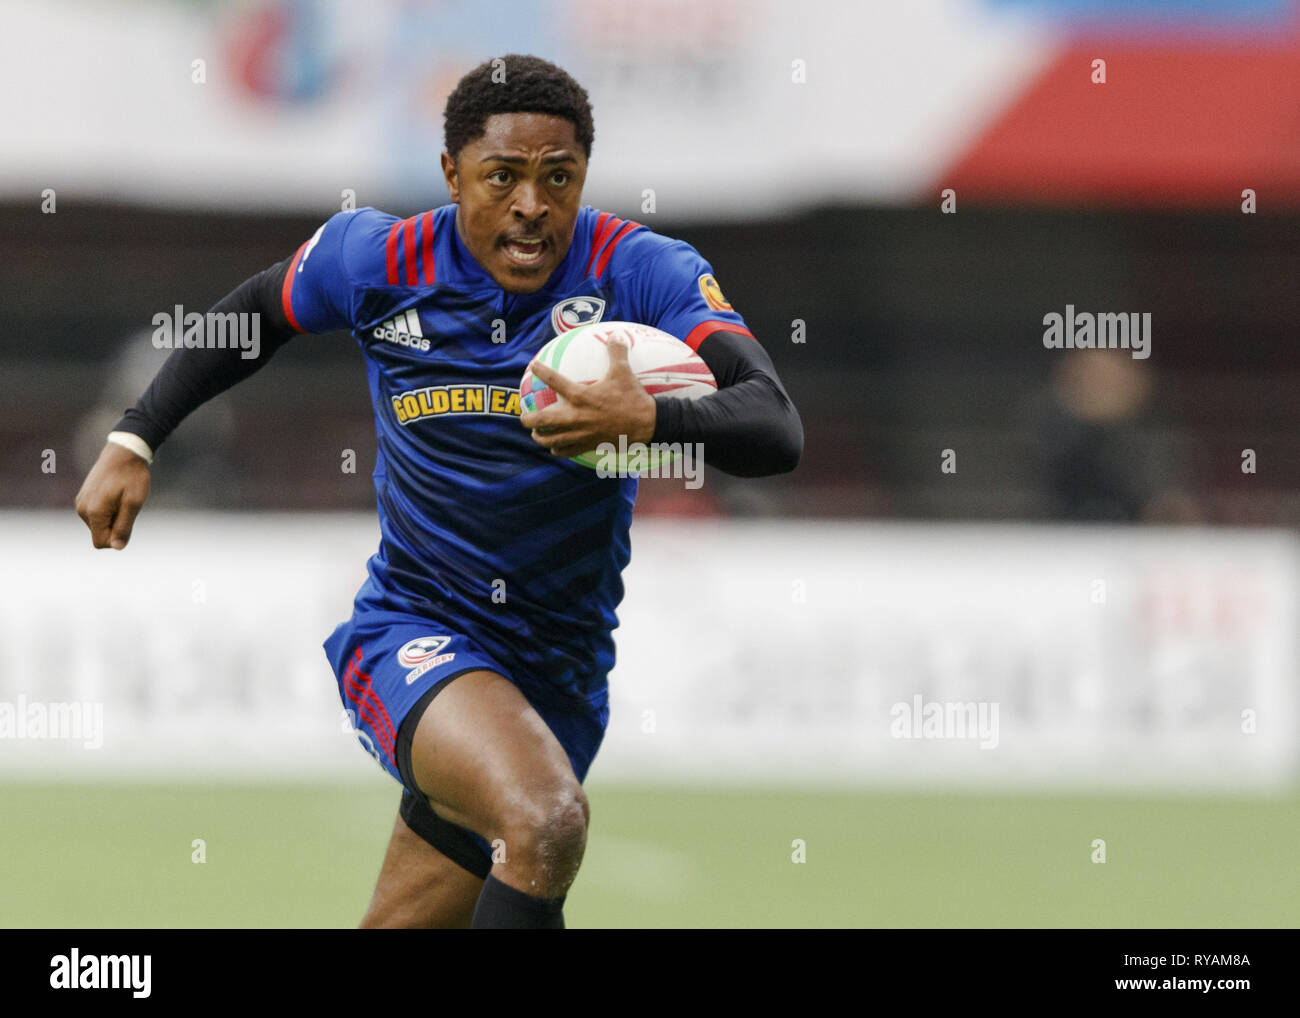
(475, 659)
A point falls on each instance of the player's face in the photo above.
(519, 188)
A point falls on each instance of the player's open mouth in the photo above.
(524, 252)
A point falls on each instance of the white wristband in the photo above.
(133, 442)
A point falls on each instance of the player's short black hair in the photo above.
(521, 84)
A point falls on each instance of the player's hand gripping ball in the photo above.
(661, 363)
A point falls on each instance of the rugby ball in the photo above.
(661, 362)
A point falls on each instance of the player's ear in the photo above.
(449, 172)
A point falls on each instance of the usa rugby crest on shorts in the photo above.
(421, 654)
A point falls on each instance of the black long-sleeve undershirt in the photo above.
(748, 428)
(190, 377)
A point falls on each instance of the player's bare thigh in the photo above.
(488, 762)
(420, 888)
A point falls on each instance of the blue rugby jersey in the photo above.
(468, 503)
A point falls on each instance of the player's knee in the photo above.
(548, 830)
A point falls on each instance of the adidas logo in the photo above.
(404, 330)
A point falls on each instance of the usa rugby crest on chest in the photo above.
(574, 311)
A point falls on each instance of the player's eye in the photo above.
(503, 174)
(560, 177)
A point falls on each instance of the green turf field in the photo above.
(90, 856)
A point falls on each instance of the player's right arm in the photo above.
(308, 292)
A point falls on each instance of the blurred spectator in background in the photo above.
(1101, 450)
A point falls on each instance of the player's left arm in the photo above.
(748, 428)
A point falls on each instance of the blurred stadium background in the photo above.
(1107, 567)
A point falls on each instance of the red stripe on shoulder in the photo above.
(627, 228)
(408, 229)
(390, 250)
(606, 224)
(286, 290)
(702, 332)
(428, 249)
